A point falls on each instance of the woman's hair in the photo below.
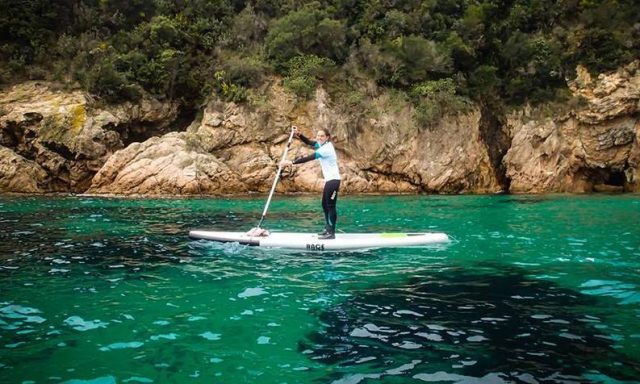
(326, 132)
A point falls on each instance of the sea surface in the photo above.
(531, 289)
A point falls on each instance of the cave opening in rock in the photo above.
(616, 178)
(606, 179)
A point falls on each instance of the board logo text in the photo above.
(315, 247)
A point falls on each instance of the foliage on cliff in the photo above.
(434, 51)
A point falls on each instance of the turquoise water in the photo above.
(533, 289)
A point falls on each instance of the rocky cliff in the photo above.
(595, 147)
(235, 148)
(55, 141)
(52, 141)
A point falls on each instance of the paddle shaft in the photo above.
(275, 181)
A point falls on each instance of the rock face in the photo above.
(19, 174)
(236, 149)
(165, 166)
(593, 148)
(61, 141)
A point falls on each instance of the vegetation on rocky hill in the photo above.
(435, 53)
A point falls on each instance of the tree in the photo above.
(307, 31)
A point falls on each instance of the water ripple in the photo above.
(532, 289)
(545, 338)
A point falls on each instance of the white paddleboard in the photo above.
(310, 242)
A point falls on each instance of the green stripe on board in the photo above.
(393, 234)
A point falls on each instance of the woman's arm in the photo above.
(299, 160)
(306, 140)
(304, 159)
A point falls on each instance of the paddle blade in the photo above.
(258, 232)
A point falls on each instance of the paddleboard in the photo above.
(310, 242)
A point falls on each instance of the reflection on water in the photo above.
(494, 325)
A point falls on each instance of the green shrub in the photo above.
(405, 61)
(511, 51)
(308, 31)
(248, 28)
(105, 81)
(484, 80)
(434, 99)
(600, 50)
(304, 71)
(245, 71)
(227, 90)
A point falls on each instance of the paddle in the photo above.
(258, 231)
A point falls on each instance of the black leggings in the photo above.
(329, 200)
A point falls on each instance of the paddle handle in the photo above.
(275, 180)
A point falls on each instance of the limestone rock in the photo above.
(389, 154)
(226, 153)
(595, 148)
(245, 144)
(164, 166)
(18, 174)
(66, 135)
(131, 149)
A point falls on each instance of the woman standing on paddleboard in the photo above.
(325, 153)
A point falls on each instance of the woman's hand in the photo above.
(286, 163)
(296, 133)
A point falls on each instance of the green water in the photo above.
(532, 289)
